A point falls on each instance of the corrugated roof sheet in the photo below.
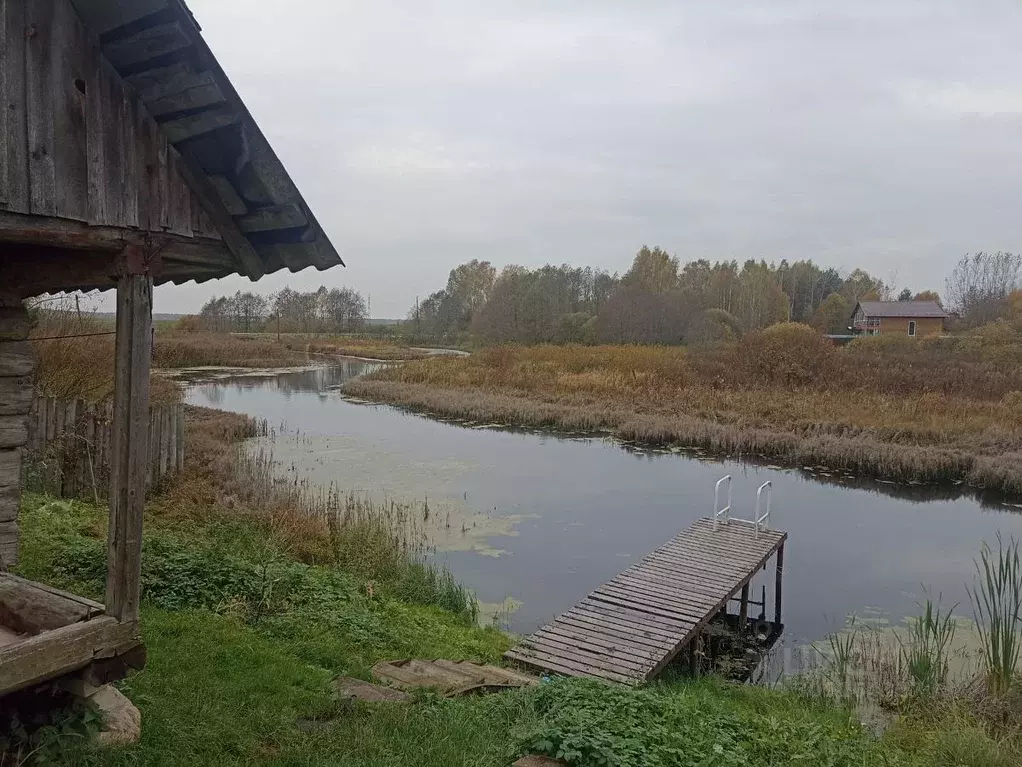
(901, 309)
(157, 48)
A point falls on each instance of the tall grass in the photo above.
(380, 542)
(356, 346)
(781, 395)
(925, 651)
(839, 656)
(74, 352)
(186, 350)
(997, 602)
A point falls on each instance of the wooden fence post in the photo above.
(130, 438)
(180, 437)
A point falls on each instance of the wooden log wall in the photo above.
(17, 363)
(75, 141)
(70, 442)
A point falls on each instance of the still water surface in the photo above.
(543, 520)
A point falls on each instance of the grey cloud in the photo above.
(875, 134)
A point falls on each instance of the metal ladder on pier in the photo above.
(761, 517)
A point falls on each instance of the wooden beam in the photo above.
(15, 394)
(45, 254)
(229, 195)
(205, 95)
(155, 84)
(62, 233)
(55, 653)
(183, 128)
(106, 15)
(129, 450)
(146, 44)
(743, 610)
(248, 260)
(693, 656)
(288, 216)
(777, 584)
(27, 608)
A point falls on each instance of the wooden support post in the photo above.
(128, 451)
(693, 656)
(777, 584)
(743, 615)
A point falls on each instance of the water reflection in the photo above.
(570, 513)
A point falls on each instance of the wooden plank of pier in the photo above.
(632, 626)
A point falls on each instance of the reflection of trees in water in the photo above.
(322, 379)
(212, 392)
(916, 493)
(292, 382)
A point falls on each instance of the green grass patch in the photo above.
(245, 641)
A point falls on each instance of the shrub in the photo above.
(786, 354)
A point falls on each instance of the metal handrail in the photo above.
(718, 512)
(764, 518)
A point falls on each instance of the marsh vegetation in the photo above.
(926, 410)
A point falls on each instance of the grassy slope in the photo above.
(241, 678)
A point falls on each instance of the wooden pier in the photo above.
(633, 625)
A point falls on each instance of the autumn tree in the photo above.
(655, 271)
(928, 295)
(760, 301)
(833, 316)
(860, 285)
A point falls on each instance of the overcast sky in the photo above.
(885, 134)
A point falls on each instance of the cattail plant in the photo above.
(997, 604)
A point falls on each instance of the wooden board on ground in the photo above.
(629, 628)
(450, 678)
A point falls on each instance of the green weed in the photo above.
(924, 652)
(997, 602)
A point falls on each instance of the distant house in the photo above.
(908, 318)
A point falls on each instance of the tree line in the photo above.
(660, 300)
(336, 310)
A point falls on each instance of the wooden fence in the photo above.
(69, 446)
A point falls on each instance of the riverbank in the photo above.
(253, 604)
(915, 431)
(176, 349)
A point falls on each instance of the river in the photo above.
(541, 520)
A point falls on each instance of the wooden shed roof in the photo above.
(236, 188)
(157, 47)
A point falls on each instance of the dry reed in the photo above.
(75, 356)
(917, 431)
(186, 350)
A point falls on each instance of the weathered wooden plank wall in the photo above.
(17, 362)
(111, 166)
(69, 444)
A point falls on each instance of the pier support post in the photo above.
(777, 585)
(693, 656)
(743, 614)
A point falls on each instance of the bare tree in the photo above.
(979, 285)
(250, 309)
